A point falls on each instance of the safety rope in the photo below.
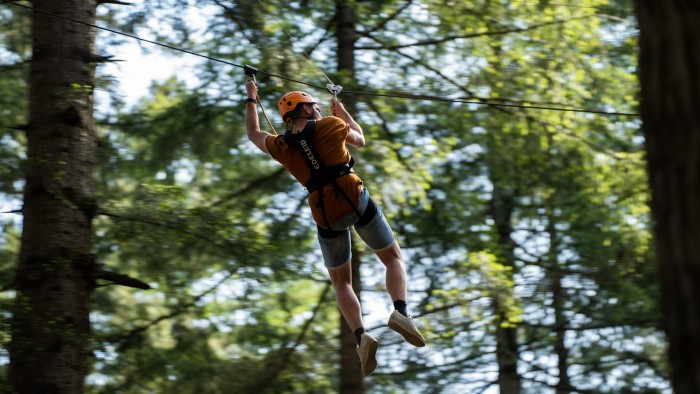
(265, 114)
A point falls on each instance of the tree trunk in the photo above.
(670, 88)
(351, 380)
(507, 356)
(50, 347)
(560, 326)
(506, 332)
(559, 306)
(554, 277)
(346, 36)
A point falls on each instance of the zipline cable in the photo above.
(174, 48)
(410, 96)
(392, 94)
(597, 8)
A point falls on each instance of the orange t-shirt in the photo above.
(329, 144)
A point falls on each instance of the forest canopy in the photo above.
(503, 142)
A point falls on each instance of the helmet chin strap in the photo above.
(291, 122)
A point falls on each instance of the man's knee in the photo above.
(341, 275)
(390, 254)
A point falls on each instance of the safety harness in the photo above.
(321, 174)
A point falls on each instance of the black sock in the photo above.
(400, 305)
(358, 334)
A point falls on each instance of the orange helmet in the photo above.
(289, 101)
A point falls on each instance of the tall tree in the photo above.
(54, 280)
(351, 380)
(668, 63)
(226, 241)
(525, 143)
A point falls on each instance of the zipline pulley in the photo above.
(250, 71)
(334, 90)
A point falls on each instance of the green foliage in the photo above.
(508, 216)
(14, 52)
(14, 70)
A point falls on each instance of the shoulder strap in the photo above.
(303, 142)
(306, 133)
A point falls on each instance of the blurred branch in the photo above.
(277, 362)
(180, 309)
(386, 20)
(13, 66)
(117, 2)
(250, 186)
(592, 145)
(470, 35)
(177, 227)
(121, 279)
(389, 136)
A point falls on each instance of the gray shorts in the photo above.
(374, 231)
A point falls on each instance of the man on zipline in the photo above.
(313, 151)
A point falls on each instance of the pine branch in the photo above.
(386, 20)
(121, 279)
(250, 186)
(117, 2)
(182, 308)
(224, 245)
(96, 58)
(564, 131)
(470, 94)
(469, 35)
(22, 128)
(14, 66)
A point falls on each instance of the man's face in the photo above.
(316, 111)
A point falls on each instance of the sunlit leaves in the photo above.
(189, 206)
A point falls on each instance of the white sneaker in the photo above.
(405, 326)
(367, 352)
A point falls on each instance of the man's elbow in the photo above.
(356, 142)
(252, 134)
(259, 139)
(358, 139)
